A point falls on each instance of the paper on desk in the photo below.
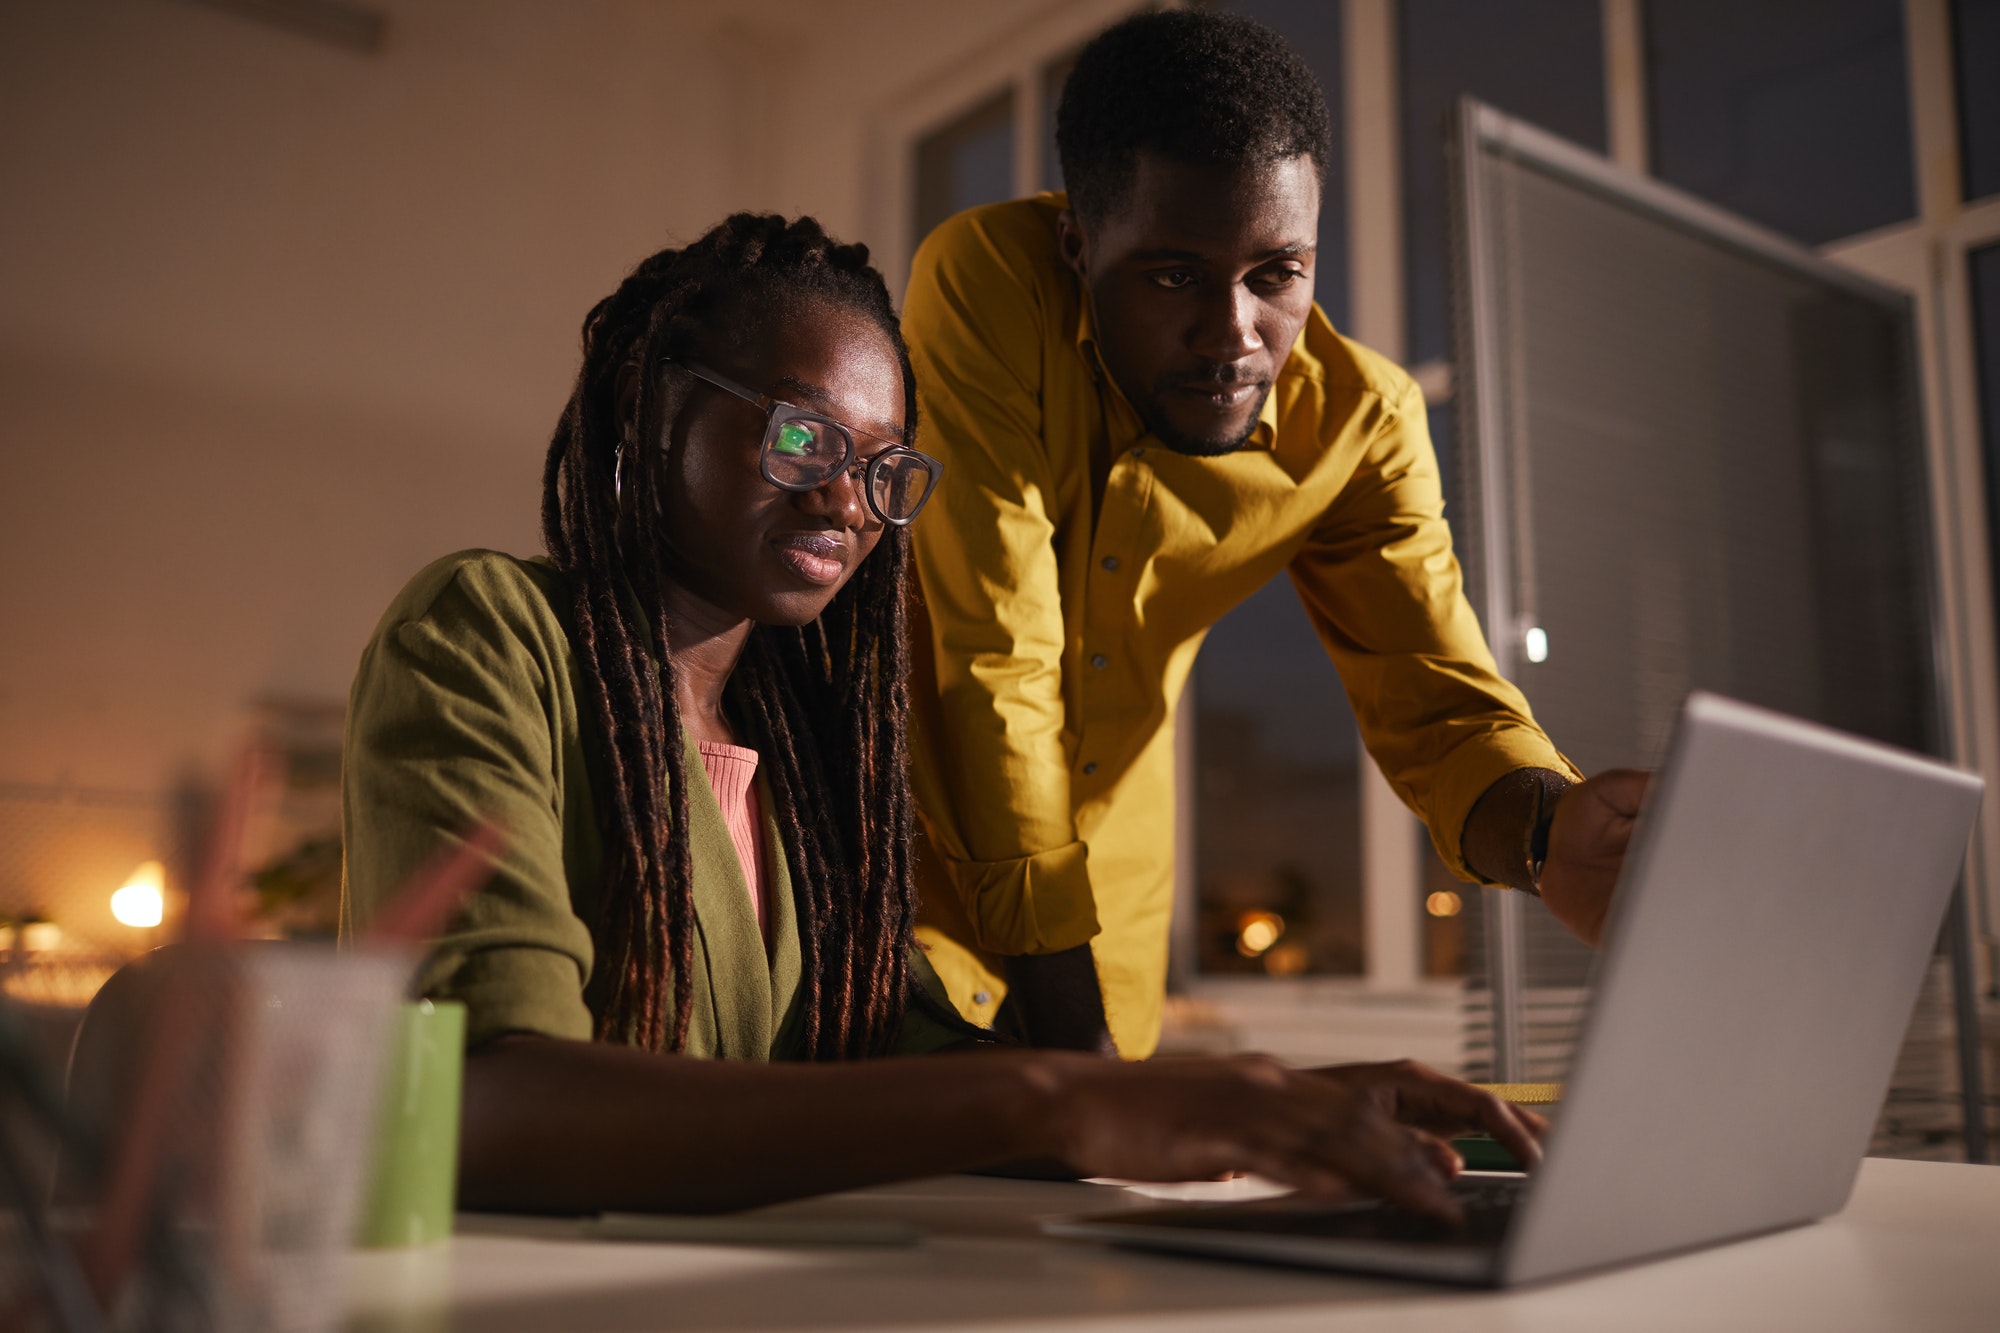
(1199, 1191)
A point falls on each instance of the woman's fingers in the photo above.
(1405, 1166)
(1448, 1107)
(1335, 1140)
(1373, 1129)
(1517, 1130)
(1445, 1157)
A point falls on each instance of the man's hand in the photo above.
(1587, 842)
(1588, 833)
(1056, 998)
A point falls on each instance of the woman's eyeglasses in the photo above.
(803, 451)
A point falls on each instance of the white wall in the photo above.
(280, 322)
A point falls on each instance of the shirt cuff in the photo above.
(512, 990)
(1464, 777)
(1030, 904)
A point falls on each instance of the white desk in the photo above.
(1917, 1249)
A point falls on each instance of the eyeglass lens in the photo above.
(901, 481)
(803, 454)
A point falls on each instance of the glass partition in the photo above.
(1692, 460)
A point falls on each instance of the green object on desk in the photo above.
(1484, 1154)
(416, 1149)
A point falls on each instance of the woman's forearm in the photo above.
(563, 1126)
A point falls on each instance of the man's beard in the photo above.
(1198, 446)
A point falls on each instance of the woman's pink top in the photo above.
(732, 771)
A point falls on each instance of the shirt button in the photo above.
(1111, 562)
(981, 997)
(1099, 661)
(1090, 768)
(1140, 452)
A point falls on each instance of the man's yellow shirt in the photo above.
(1070, 566)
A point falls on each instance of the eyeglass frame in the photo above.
(777, 412)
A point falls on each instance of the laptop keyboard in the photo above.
(1488, 1202)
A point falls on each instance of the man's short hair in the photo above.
(1197, 85)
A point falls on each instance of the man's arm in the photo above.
(1455, 739)
(989, 756)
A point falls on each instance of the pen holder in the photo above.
(416, 1162)
(230, 1090)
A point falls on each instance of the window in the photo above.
(994, 142)
(966, 163)
(1312, 27)
(1705, 473)
(1054, 74)
(1541, 60)
(1983, 267)
(1794, 113)
(1277, 808)
(1454, 915)
(1976, 42)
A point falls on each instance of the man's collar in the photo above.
(1263, 435)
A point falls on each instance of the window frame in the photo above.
(1925, 256)
(1012, 65)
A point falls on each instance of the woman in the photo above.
(724, 505)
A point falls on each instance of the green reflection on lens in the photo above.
(793, 439)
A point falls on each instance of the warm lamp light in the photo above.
(1258, 931)
(143, 900)
(1443, 903)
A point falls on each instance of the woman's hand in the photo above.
(1376, 1129)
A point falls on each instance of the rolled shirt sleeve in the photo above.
(459, 715)
(991, 753)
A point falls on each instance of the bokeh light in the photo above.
(1258, 931)
(142, 902)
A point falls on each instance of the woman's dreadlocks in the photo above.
(825, 704)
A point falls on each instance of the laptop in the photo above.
(1779, 904)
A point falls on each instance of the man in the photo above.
(1143, 418)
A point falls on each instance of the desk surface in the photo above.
(1917, 1249)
